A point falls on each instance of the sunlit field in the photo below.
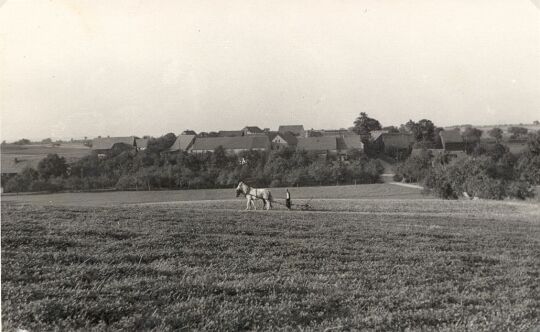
(344, 264)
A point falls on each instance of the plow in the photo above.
(302, 207)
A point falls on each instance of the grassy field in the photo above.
(369, 191)
(20, 156)
(354, 264)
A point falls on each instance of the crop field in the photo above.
(370, 264)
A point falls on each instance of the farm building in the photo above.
(231, 144)
(296, 130)
(102, 145)
(395, 145)
(182, 143)
(394, 140)
(251, 130)
(230, 133)
(330, 145)
(282, 140)
(352, 142)
(321, 145)
(189, 132)
(452, 140)
(337, 132)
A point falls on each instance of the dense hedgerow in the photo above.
(490, 171)
(153, 169)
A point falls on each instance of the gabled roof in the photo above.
(230, 133)
(231, 143)
(253, 129)
(294, 129)
(397, 140)
(182, 143)
(317, 143)
(377, 133)
(451, 136)
(142, 143)
(106, 143)
(286, 136)
(353, 142)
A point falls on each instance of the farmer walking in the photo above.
(288, 200)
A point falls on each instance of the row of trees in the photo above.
(126, 169)
(488, 172)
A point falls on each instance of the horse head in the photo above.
(239, 189)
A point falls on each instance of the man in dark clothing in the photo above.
(288, 200)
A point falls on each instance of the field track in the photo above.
(205, 264)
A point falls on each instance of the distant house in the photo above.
(282, 140)
(188, 132)
(393, 140)
(183, 143)
(337, 132)
(352, 142)
(141, 143)
(103, 144)
(230, 133)
(452, 140)
(296, 130)
(231, 144)
(251, 130)
(326, 144)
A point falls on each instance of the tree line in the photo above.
(126, 169)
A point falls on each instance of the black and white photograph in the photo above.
(287, 165)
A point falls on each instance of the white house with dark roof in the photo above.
(282, 140)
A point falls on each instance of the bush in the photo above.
(477, 178)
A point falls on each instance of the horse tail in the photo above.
(270, 198)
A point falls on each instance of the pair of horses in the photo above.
(253, 194)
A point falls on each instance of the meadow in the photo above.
(373, 264)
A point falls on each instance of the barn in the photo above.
(452, 140)
(296, 130)
(231, 144)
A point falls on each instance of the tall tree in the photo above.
(496, 133)
(423, 130)
(363, 125)
(52, 165)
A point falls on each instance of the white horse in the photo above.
(253, 194)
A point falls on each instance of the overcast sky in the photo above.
(87, 68)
